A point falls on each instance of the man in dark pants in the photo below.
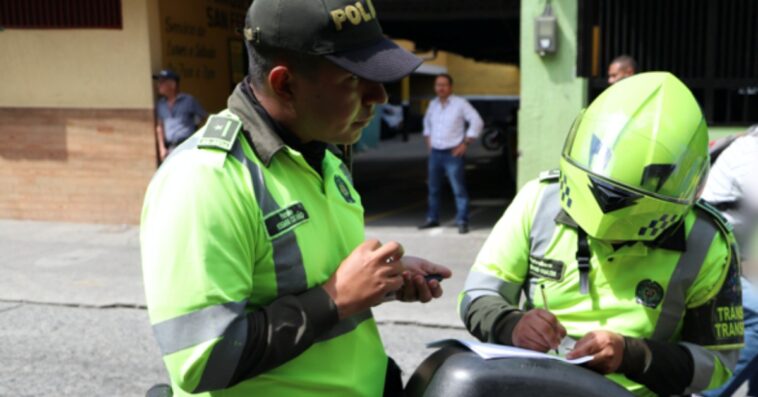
(447, 139)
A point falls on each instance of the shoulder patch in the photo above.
(550, 175)
(220, 133)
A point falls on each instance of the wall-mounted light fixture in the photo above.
(546, 32)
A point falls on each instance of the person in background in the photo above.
(733, 188)
(177, 114)
(620, 68)
(447, 139)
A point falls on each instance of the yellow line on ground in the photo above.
(394, 212)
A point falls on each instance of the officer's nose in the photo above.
(374, 93)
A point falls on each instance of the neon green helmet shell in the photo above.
(635, 160)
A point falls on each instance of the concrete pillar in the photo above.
(551, 93)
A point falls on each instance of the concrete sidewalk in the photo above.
(73, 319)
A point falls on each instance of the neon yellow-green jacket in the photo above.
(682, 289)
(225, 231)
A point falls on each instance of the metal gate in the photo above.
(712, 45)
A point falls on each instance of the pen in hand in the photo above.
(544, 303)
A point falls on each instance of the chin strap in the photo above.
(583, 260)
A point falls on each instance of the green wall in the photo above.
(551, 94)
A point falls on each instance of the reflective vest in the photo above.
(224, 234)
(637, 290)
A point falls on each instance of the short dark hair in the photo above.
(447, 76)
(262, 60)
(625, 61)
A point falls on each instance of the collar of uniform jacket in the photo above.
(265, 141)
(673, 239)
(266, 135)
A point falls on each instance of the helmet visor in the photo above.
(625, 151)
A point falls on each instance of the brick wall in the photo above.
(75, 165)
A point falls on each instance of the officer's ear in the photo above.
(280, 81)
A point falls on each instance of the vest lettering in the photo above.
(730, 313)
(729, 330)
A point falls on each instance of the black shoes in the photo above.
(462, 228)
(429, 225)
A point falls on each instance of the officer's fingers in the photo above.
(433, 268)
(422, 289)
(584, 347)
(559, 331)
(369, 245)
(540, 330)
(391, 269)
(391, 249)
(549, 326)
(546, 316)
(393, 284)
(532, 341)
(407, 293)
(601, 361)
(436, 288)
(427, 267)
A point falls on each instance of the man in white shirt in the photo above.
(447, 139)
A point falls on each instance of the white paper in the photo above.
(489, 351)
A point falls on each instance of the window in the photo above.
(60, 14)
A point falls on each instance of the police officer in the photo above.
(257, 276)
(642, 274)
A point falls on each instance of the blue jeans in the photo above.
(750, 307)
(442, 162)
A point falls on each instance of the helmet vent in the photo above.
(658, 225)
(611, 198)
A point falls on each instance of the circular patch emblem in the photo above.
(649, 293)
(344, 190)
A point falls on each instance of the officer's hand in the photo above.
(415, 287)
(607, 349)
(538, 330)
(366, 276)
(162, 152)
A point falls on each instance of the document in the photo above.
(489, 351)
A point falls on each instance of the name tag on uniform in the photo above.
(285, 219)
(545, 268)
